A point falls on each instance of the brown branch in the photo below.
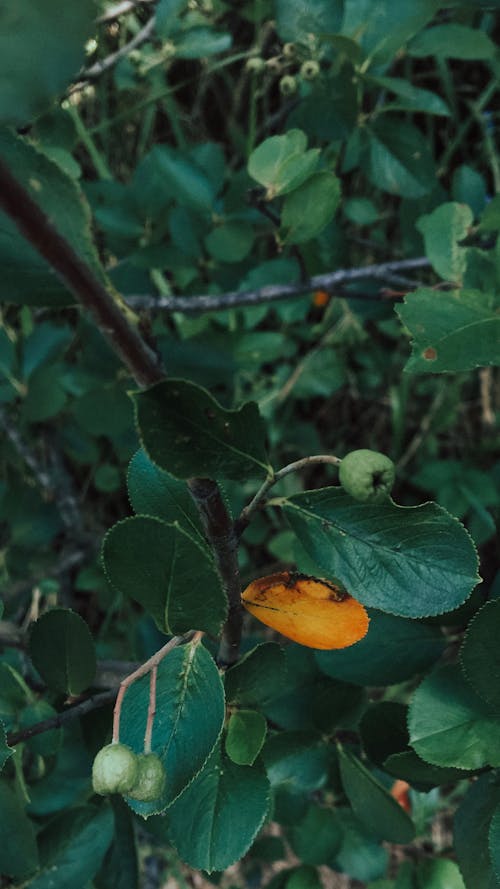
(86, 706)
(41, 233)
(144, 366)
(329, 281)
(221, 533)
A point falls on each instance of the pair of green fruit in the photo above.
(367, 475)
(117, 769)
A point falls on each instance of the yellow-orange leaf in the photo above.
(313, 612)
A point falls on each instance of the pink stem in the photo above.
(151, 710)
(150, 664)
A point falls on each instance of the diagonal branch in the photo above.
(329, 281)
(99, 68)
(142, 363)
(41, 233)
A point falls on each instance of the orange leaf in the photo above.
(400, 792)
(313, 612)
(321, 298)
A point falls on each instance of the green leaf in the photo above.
(294, 18)
(303, 877)
(246, 733)
(197, 43)
(360, 855)
(494, 841)
(214, 822)
(381, 27)
(72, 847)
(316, 839)
(257, 677)
(184, 180)
(309, 208)
(105, 411)
(62, 650)
(450, 725)
(162, 567)
(393, 650)
(120, 868)
(18, 849)
(442, 230)
(46, 743)
(231, 241)
(281, 163)
(26, 278)
(453, 41)
(298, 760)
(386, 742)
(41, 49)
(372, 804)
(410, 98)
(490, 219)
(154, 492)
(412, 561)
(5, 751)
(440, 874)
(471, 833)
(399, 159)
(452, 332)
(45, 396)
(480, 654)
(188, 722)
(167, 15)
(185, 431)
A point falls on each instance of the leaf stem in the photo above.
(150, 664)
(275, 477)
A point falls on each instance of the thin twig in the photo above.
(271, 480)
(423, 430)
(148, 734)
(485, 387)
(25, 452)
(99, 68)
(86, 706)
(329, 281)
(119, 9)
(56, 483)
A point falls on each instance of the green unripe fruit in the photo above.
(288, 85)
(115, 769)
(151, 778)
(309, 70)
(255, 64)
(367, 475)
(289, 50)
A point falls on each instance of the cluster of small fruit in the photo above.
(290, 59)
(117, 769)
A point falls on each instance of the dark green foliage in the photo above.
(226, 171)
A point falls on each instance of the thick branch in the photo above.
(143, 365)
(37, 228)
(329, 281)
(221, 533)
